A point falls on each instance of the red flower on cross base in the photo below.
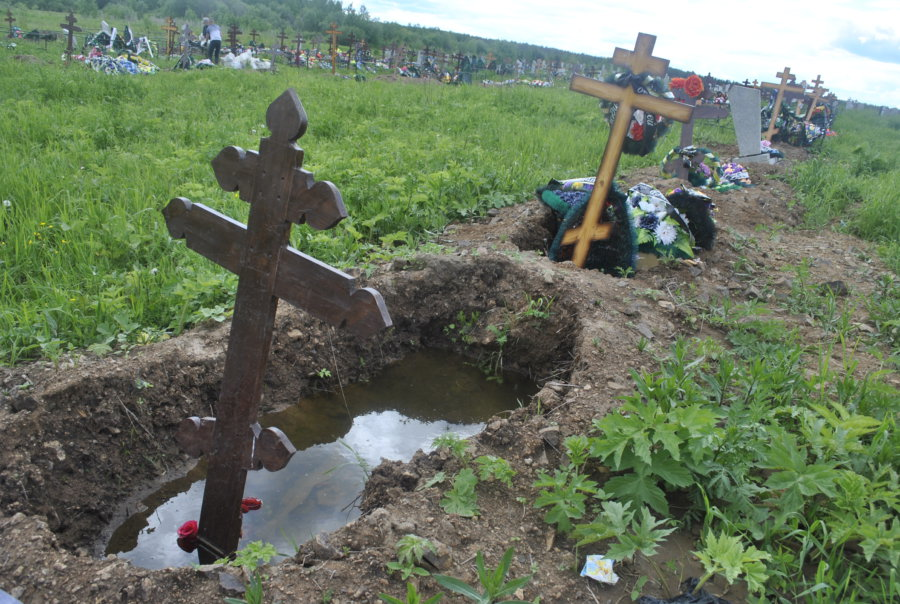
(676, 83)
(693, 86)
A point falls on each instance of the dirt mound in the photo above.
(82, 439)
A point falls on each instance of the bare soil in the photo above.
(81, 438)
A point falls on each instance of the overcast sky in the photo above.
(853, 44)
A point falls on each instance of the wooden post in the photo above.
(70, 28)
(233, 33)
(170, 30)
(783, 87)
(280, 193)
(817, 93)
(638, 61)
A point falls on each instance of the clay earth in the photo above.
(82, 438)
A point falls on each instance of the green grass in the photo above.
(853, 181)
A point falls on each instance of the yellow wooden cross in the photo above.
(638, 61)
(334, 33)
(817, 93)
(783, 87)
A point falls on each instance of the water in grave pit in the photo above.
(400, 411)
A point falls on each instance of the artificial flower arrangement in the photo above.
(661, 229)
(691, 85)
(703, 166)
(645, 128)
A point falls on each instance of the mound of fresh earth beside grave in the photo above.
(80, 439)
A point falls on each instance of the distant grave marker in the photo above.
(334, 34)
(281, 38)
(280, 193)
(638, 61)
(702, 111)
(783, 87)
(253, 35)
(9, 20)
(745, 102)
(170, 30)
(70, 28)
(817, 93)
(233, 33)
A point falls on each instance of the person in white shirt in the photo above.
(213, 34)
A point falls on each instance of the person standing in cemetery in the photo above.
(213, 34)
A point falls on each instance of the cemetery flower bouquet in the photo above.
(661, 228)
(704, 167)
(645, 128)
(691, 85)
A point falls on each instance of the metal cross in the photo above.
(638, 61)
(783, 87)
(280, 193)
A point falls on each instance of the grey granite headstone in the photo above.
(745, 106)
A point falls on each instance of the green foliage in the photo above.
(410, 550)
(453, 442)
(461, 499)
(565, 493)
(493, 582)
(249, 558)
(633, 535)
(412, 597)
(726, 555)
(491, 467)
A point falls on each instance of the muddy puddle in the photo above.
(339, 436)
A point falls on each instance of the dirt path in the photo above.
(78, 438)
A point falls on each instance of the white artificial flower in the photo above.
(7, 203)
(666, 233)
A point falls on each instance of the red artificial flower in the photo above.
(250, 503)
(188, 530)
(637, 131)
(693, 86)
(676, 83)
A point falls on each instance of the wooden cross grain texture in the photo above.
(817, 93)
(170, 30)
(639, 61)
(280, 193)
(784, 86)
(233, 33)
(71, 28)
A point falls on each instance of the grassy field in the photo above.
(87, 261)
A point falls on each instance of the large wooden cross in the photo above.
(170, 30)
(280, 193)
(639, 61)
(817, 93)
(233, 33)
(334, 31)
(71, 28)
(783, 87)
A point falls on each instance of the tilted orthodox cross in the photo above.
(233, 33)
(817, 93)
(638, 62)
(71, 28)
(170, 30)
(281, 38)
(280, 193)
(783, 87)
(334, 34)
